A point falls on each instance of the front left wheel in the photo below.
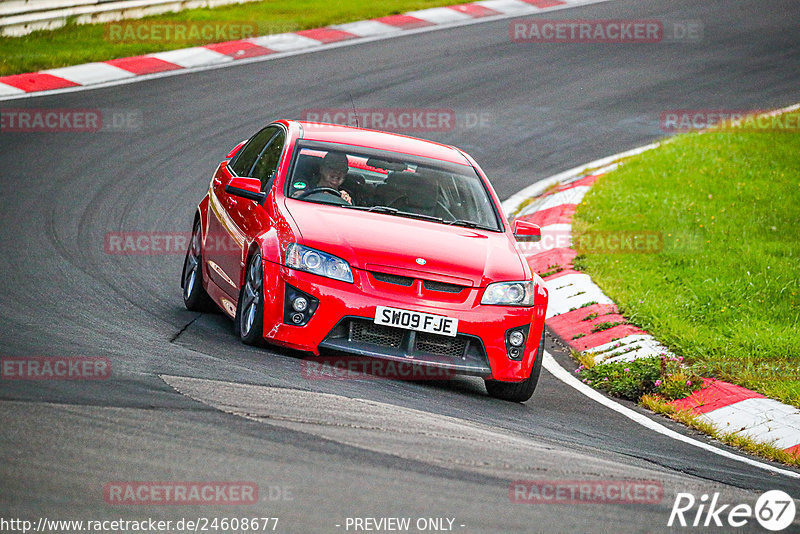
(249, 319)
(519, 391)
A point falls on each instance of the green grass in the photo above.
(75, 44)
(724, 292)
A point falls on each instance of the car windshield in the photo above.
(391, 183)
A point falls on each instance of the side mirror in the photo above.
(249, 188)
(525, 231)
(236, 149)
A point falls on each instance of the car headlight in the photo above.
(509, 294)
(317, 262)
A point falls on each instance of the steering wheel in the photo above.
(329, 190)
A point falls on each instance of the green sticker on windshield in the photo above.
(300, 185)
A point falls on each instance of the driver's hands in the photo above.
(345, 196)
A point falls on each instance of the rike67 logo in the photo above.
(774, 510)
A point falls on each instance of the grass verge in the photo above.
(74, 44)
(723, 288)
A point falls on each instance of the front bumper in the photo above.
(463, 354)
(343, 322)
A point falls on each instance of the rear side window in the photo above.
(246, 158)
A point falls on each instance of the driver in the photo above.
(332, 173)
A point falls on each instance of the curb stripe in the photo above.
(216, 55)
(327, 35)
(475, 10)
(405, 22)
(36, 81)
(567, 378)
(239, 49)
(506, 6)
(551, 204)
(765, 420)
(366, 28)
(90, 73)
(714, 395)
(143, 64)
(556, 215)
(567, 270)
(542, 4)
(284, 42)
(553, 259)
(440, 15)
(7, 90)
(192, 57)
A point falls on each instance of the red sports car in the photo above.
(323, 237)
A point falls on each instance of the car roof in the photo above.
(348, 135)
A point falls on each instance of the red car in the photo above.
(323, 237)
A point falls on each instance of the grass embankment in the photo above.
(75, 44)
(724, 291)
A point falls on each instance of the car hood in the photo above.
(399, 245)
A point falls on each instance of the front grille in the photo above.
(430, 285)
(424, 343)
(375, 334)
(358, 335)
(393, 279)
(440, 345)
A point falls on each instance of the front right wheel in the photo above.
(519, 391)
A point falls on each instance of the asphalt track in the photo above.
(188, 402)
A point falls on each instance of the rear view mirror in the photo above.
(525, 231)
(249, 188)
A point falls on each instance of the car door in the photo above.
(234, 221)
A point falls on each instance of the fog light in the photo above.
(515, 341)
(516, 338)
(299, 304)
(298, 307)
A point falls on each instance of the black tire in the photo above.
(195, 297)
(519, 391)
(249, 321)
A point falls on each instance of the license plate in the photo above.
(422, 322)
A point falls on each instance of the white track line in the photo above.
(511, 205)
(562, 374)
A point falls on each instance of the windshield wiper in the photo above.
(467, 224)
(422, 216)
(377, 209)
(395, 211)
